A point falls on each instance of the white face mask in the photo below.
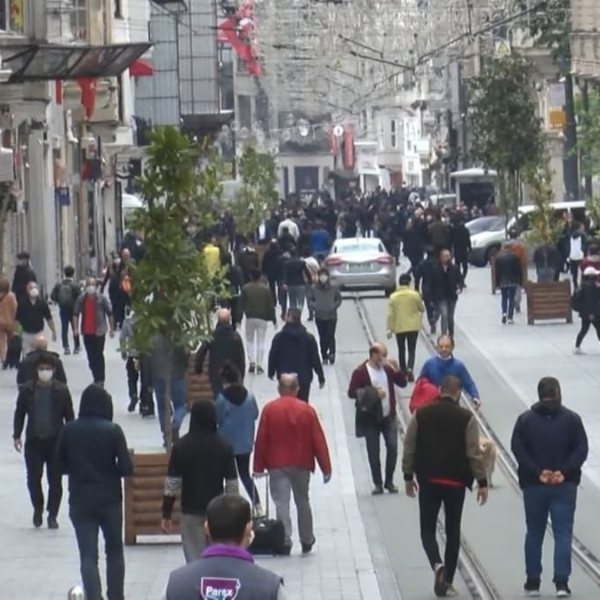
(45, 375)
(34, 292)
(323, 278)
(90, 289)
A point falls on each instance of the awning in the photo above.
(141, 68)
(47, 62)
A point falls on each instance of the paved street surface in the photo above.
(44, 564)
(367, 548)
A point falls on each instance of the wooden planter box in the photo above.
(198, 386)
(549, 301)
(143, 497)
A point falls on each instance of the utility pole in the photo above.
(570, 159)
(585, 102)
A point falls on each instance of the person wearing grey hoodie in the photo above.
(324, 300)
(168, 366)
(93, 452)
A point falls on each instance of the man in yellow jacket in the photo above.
(405, 311)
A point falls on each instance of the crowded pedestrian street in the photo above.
(367, 547)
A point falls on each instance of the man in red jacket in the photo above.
(378, 375)
(288, 441)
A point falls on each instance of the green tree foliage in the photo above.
(257, 196)
(545, 226)
(507, 133)
(171, 287)
(588, 134)
(550, 23)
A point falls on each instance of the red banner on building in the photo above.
(348, 147)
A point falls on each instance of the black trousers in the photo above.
(574, 268)
(431, 498)
(585, 327)
(388, 428)
(304, 390)
(66, 321)
(40, 452)
(273, 286)
(243, 467)
(463, 264)
(94, 348)
(407, 341)
(283, 299)
(326, 329)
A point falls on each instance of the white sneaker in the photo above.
(451, 591)
(511, 321)
(578, 351)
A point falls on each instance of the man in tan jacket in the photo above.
(404, 314)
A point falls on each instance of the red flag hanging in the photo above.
(88, 95)
(58, 91)
(348, 147)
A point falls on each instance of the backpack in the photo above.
(65, 295)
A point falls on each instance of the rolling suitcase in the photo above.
(269, 534)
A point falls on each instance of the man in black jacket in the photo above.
(441, 448)
(425, 275)
(461, 246)
(201, 467)
(24, 274)
(27, 370)
(509, 277)
(48, 406)
(92, 451)
(295, 350)
(447, 283)
(550, 444)
(225, 346)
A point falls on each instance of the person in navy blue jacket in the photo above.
(550, 445)
(444, 363)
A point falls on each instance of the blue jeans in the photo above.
(177, 401)
(87, 521)
(508, 300)
(559, 502)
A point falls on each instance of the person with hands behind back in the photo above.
(550, 444)
(441, 448)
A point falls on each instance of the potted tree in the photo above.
(547, 298)
(171, 288)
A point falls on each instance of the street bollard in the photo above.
(76, 593)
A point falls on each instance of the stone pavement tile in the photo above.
(340, 566)
(522, 354)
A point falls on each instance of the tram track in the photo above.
(582, 554)
(474, 575)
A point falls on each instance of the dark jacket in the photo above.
(28, 367)
(442, 443)
(586, 300)
(294, 350)
(295, 272)
(201, 461)
(62, 408)
(547, 256)
(413, 245)
(24, 274)
(508, 270)
(226, 345)
(446, 282)
(92, 451)
(257, 302)
(439, 235)
(549, 436)
(461, 241)
(425, 272)
(272, 264)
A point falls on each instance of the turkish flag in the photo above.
(227, 33)
(88, 95)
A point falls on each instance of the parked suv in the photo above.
(488, 233)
